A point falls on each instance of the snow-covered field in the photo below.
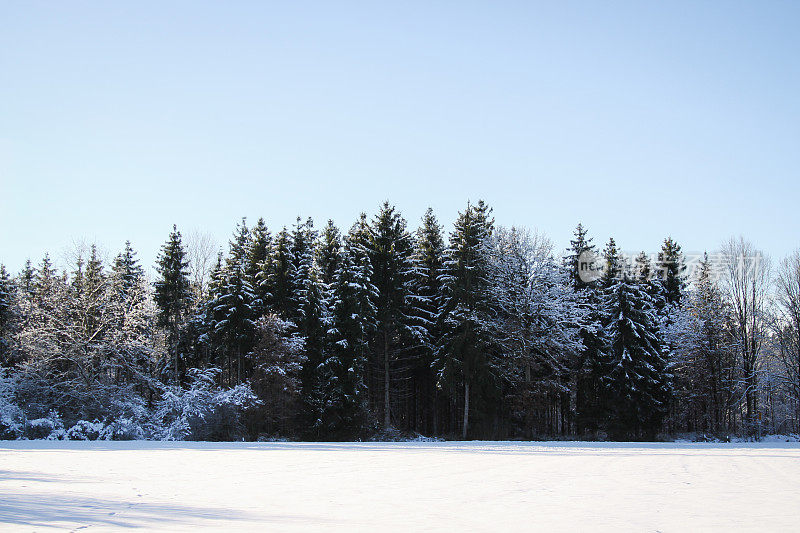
(474, 486)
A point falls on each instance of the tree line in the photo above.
(383, 332)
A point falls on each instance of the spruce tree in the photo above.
(636, 378)
(9, 314)
(352, 323)
(671, 270)
(275, 280)
(233, 311)
(583, 268)
(172, 293)
(612, 264)
(427, 261)
(127, 272)
(464, 354)
(27, 280)
(258, 263)
(328, 253)
(389, 248)
(580, 249)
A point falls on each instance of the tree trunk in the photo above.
(387, 420)
(466, 410)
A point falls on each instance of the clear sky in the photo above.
(118, 119)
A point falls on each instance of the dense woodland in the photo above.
(382, 332)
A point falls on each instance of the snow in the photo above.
(408, 486)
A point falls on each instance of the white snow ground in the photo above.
(474, 486)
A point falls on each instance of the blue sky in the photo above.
(639, 119)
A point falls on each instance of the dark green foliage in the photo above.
(172, 293)
(464, 353)
(352, 322)
(9, 315)
(389, 250)
(671, 269)
(635, 378)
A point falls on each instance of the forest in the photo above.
(384, 332)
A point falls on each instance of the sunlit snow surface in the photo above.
(447, 486)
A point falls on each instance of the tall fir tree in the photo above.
(233, 310)
(352, 322)
(427, 261)
(671, 271)
(9, 315)
(464, 354)
(172, 294)
(127, 272)
(636, 378)
(389, 249)
(258, 263)
(328, 253)
(275, 280)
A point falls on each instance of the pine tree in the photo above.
(258, 249)
(258, 259)
(172, 293)
(464, 353)
(233, 310)
(389, 248)
(311, 325)
(642, 271)
(425, 300)
(27, 280)
(636, 378)
(581, 249)
(303, 241)
(612, 264)
(584, 269)
(328, 253)
(276, 277)
(127, 272)
(352, 323)
(671, 270)
(44, 280)
(9, 314)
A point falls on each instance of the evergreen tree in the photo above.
(583, 268)
(172, 293)
(258, 263)
(671, 270)
(612, 264)
(303, 240)
(642, 271)
(276, 277)
(389, 248)
(311, 325)
(233, 311)
(27, 280)
(427, 261)
(636, 378)
(329, 253)
(352, 317)
(9, 314)
(127, 272)
(464, 353)
(44, 280)
(581, 249)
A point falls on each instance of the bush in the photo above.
(203, 411)
(85, 430)
(123, 429)
(50, 427)
(12, 425)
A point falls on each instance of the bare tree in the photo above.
(746, 279)
(787, 326)
(201, 250)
